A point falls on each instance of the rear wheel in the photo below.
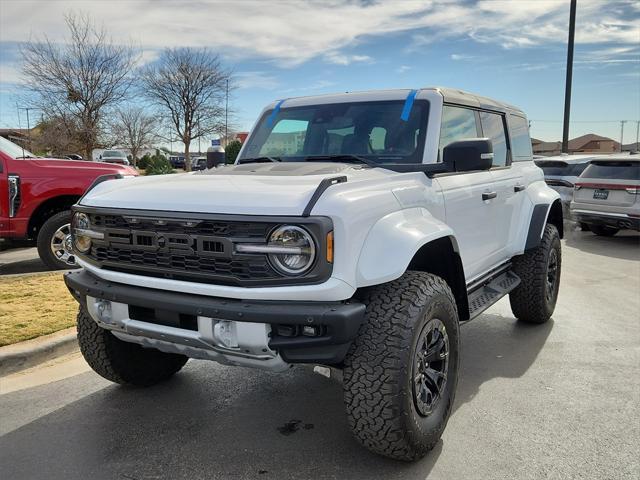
(534, 300)
(123, 362)
(401, 372)
(603, 230)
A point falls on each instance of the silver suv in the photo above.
(607, 195)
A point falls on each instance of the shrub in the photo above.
(231, 151)
(144, 161)
(158, 165)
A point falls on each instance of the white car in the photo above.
(356, 230)
(562, 172)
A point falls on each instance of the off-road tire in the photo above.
(123, 362)
(603, 230)
(378, 388)
(529, 300)
(43, 242)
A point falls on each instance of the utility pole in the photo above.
(226, 117)
(567, 88)
(622, 122)
(637, 135)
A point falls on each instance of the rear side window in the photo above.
(613, 170)
(457, 124)
(520, 139)
(493, 128)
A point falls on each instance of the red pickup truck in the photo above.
(36, 195)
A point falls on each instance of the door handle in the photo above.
(489, 195)
(519, 188)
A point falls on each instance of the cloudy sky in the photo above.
(513, 50)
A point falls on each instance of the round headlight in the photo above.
(298, 250)
(79, 222)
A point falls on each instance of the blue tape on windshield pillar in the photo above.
(274, 114)
(408, 105)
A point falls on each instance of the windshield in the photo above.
(112, 153)
(377, 131)
(14, 151)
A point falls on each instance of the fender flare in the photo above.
(393, 241)
(542, 214)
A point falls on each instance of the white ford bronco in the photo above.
(356, 231)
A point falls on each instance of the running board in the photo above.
(486, 295)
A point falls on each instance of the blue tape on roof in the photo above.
(408, 105)
(274, 114)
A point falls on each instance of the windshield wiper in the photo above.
(342, 157)
(25, 157)
(259, 160)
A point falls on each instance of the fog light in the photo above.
(287, 330)
(103, 308)
(311, 331)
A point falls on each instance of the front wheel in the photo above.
(401, 372)
(534, 300)
(54, 242)
(123, 362)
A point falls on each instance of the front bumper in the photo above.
(186, 321)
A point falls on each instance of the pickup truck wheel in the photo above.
(123, 362)
(534, 300)
(401, 372)
(603, 230)
(54, 242)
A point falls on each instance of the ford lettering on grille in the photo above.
(207, 246)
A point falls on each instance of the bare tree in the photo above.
(190, 86)
(134, 129)
(78, 80)
(53, 138)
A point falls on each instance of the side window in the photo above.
(457, 124)
(287, 137)
(520, 140)
(493, 128)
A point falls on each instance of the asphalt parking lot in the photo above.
(556, 401)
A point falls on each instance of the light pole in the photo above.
(567, 88)
(226, 117)
(622, 122)
(637, 135)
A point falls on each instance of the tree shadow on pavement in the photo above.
(220, 422)
(24, 266)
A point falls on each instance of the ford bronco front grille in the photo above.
(193, 249)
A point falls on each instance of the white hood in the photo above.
(250, 189)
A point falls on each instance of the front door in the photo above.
(4, 197)
(468, 197)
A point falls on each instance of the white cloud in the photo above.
(10, 74)
(343, 59)
(403, 69)
(256, 79)
(293, 32)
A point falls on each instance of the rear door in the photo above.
(609, 185)
(468, 215)
(509, 185)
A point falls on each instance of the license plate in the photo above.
(601, 194)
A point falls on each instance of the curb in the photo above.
(23, 355)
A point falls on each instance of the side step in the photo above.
(489, 293)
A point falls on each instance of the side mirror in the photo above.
(468, 155)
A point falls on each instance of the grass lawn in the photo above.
(35, 305)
